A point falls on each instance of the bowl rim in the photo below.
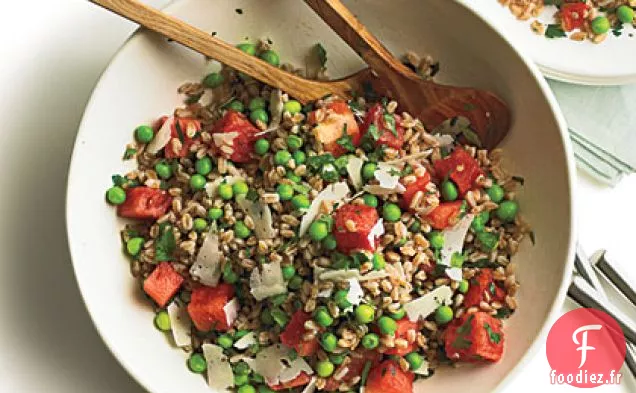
(556, 304)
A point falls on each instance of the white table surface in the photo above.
(52, 53)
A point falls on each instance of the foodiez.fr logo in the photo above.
(585, 348)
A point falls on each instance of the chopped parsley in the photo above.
(345, 140)
(251, 195)
(461, 342)
(503, 313)
(118, 180)
(317, 162)
(618, 30)
(554, 31)
(365, 373)
(471, 136)
(321, 53)
(492, 336)
(129, 153)
(165, 244)
(389, 120)
(492, 288)
(177, 127)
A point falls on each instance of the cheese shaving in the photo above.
(162, 137)
(274, 363)
(376, 231)
(386, 175)
(181, 324)
(268, 283)
(261, 215)
(224, 138)
(276, 107)
(311, 386)
(333, 192)
(455, 273)
(454, 239)
(354, 170)
(207, 267)
(355, 294)
(416, 156)
(347, 274)
(220, 376)
(246, 341)
(231, 310)
(424, 306)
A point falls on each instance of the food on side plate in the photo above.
(331, 246)
(579, 20)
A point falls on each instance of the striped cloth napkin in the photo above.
(602, 124)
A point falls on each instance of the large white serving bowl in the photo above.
(141, 83)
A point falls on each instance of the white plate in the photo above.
(611, 62)
(140, 84)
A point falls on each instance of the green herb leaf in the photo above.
(389, 120)
(554, 31)
(301, 188)
(118, 180)
(321, 53)
(177, 127)
(466, 327)
(165, 243)
(374, 132)
(558, 3)
(251, 195)
(365, 373)
(317, 162)
(345, 140)
(618, 30)
(129, 153)
(503, 313)
(494, 337)
(492, 288)
(461, 343)
(471, 136)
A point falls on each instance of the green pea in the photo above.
(278, 300)
(449, 191)
(368, 171)
(330, 242)
(241, 379)
(293, 177)
(282, 157)
(294, 142)
(259, 115)
(387, 325)
(163, 170)
(300, 157)
(236, 106)
(246, 389)
(257, 103)
(225, 341)
(280, 317)
(215, 213)
(370, 200)
(436, 239)
(162, 321)
(625, 13)
(229, 276)
(197, 363)
(285, 192)
(203, 166)
(197, 182)
(266, 317)
(144, 134)
(443, 315)
(199, 224)
(414, 359)
(240, 188)
(488, 241)
(293, 107)
(399, 314)
(116, 195)
(600, 25)
(318, 230)
(213, 80)
(288, 271)
(370, 341)
(322, 317)
(416, 226)
(134, 245)
(391, 212)
(463, 286)
(378, 261)
(507, 211)
(364, 313)
(271, 57)
(457, 259)
(340, 297)
(241, 368)
(257, 378)
(329, 341)
(248, 48)
(495, 193)
(295, 283)
(225, 191)
(261, 146)
(241, 230)
(337, 358)
(301, 201)
(324, 368)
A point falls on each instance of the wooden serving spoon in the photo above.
(430, 102)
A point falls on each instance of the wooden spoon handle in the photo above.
(302, 89)
(349, 28)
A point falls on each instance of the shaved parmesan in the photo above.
(268, 283)
(376, 231)
(455, 273)
(162, 137)
(275, 364)
(220, 376)
(386, 175)
(333, 192)
(354, 170)
(180, 324)
(374, 275)
(224, 138)
(415, 156)
(454, 239)
(276, 107)
(261, 215)
(347, 274)
(207, 267)
(212, 187)
(355, 294)
(311, 386)
(231, 310)
(325, 293)
(426, 305)
(246, 341)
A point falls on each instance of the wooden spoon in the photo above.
(430, 102)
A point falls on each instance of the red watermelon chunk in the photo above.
(163, 283)
(475, 338)
(364, 218)
(206, 307)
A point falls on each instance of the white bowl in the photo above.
(141, 83)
